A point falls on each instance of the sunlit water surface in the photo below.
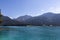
(30, 33)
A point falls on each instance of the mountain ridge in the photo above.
(47, 19)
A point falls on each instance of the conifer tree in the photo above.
(0, 17)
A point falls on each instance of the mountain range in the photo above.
(46, 19)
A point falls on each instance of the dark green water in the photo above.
(30, 33)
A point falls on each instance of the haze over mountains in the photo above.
(23, 18)
(45, 19)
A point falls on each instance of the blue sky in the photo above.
(16, 8)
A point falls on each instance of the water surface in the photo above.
(30, 33)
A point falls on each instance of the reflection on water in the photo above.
(31, 33)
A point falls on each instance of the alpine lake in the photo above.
(29, 33)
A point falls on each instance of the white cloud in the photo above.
(54, 9)
(42, 10)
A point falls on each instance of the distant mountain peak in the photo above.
(23, 18)
(26, 15)
(48, 13)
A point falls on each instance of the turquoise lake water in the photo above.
(30, 33)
